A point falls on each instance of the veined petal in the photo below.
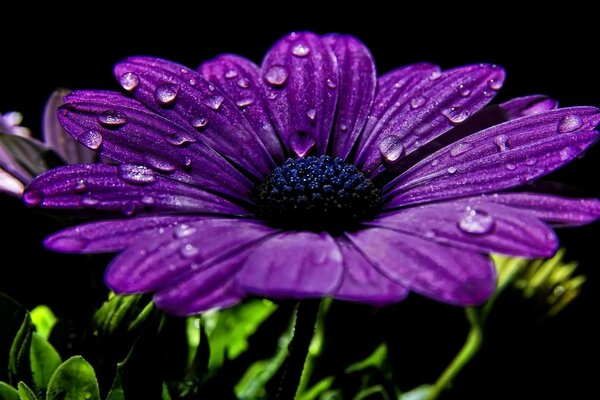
(10, 184)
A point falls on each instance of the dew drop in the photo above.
(192, 82)
(111, 119)
(435, 75)
(244, 103)
(570, 123)
(137, 174)
(456, 114)
(81, 186)
(530, 161)
(301, 142)
(511, 167)
(417, 102)
(452, 170)
(189, 250)
(271, 95)
(183, 231)
(300, 50)
(32, 197)
(129, 81)
(488, 93)
(180, 139)
(200, 122)
(463, 90)
(166, 93)
(435, 162)
(160, 164)
(91, 139)
(343, 127)
(187, 162)
(460, 148)
(147, 200)
(331, 83)
(495, 84)
(476, 222)
(230, 74)
(311, 114)
(129, 209)
(211, 87)
(502, 143)
(277, 75)
(215, 102)
(567, 153)
(391, 149)
(88, 201)
(243, 83)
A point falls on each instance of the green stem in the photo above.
(304, 327)
(469, 349)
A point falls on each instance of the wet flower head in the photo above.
(312, 176)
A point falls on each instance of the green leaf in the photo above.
(44, 361)
(319, 388)
(25, 393)
(19, 366)
(376, 359)
(372, 393)
(43, 319)
(165, 392)
(11, 315)
(8, 392)
(73, 380)
(120, 314)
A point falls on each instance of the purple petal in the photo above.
(443, 273)
(357, 84)
(57, 139)
(300, 79)
(363, 282)
(123, 130)
(109, 236)
(475, 224)
(126, 188)
(554, 209)
(293, 264)
(239, 79)
(9, 184)
(497, 158)
(428, 110)
(183, 96)
(160, 260)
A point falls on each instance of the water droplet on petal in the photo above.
(243, 83)
(488, 93)
(343, 127)
(463, 90)
(530, 161)
(88, 201)
(200, 122)
(277, 75)
(502, 143)
(300, 50)
(511, 167)
(129, 81)
(81, 186)
(271, 95)
(417, 102)
(159, 164)
(301, 142)
(435, 75)
(187, 161)
(452, 170)
(230, 74)
(166, 93)
(180, 139)
(192, 82)
(111, 119)
(129, 209)
(460, 148)
(568, 153)
(435, 162)
(456, 114)
(476, 222)
(244, 103)
(211, 87)
(91, 139)
(32, 197)
(495, 84)
(570, 123)
(215, 102)
(137, 174)
(147, 200)
(331, 83)
(189, 250)
(391, 149)
(311, 114)
(183, 231)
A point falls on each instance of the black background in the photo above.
(550, 51)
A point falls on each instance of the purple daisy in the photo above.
(309, 176)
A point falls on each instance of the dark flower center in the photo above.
(321, 193)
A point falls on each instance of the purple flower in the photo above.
(309, 176)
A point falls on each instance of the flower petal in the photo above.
(300, 80)
(57, 139)
(357, 84)
(293, 264)
(428, 110)
(239, 79)
(126, 189)
(183, 96)
(475, 224)
(122, 129)
(363, 282)
(557, 210)
(161, 260)
(497, 158)
(443, 273)
(9, 184)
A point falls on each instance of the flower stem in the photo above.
(304, 327)
(469, 349)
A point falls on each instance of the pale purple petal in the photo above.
(9, 184)
(57, 139)
(184, 97)
(475, 224)
(239, 79)
(443, 273)
(300, 79)
(293, 264)
(127, 189)
(357, 84)
(160, 260)
(363, 282)
(501, 157)
(428, 110)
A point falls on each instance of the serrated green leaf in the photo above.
(11, 315)
(43, 319)
(8, 392)
(73, 380)
(25, 393)
(44, 361)
(19, 366)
